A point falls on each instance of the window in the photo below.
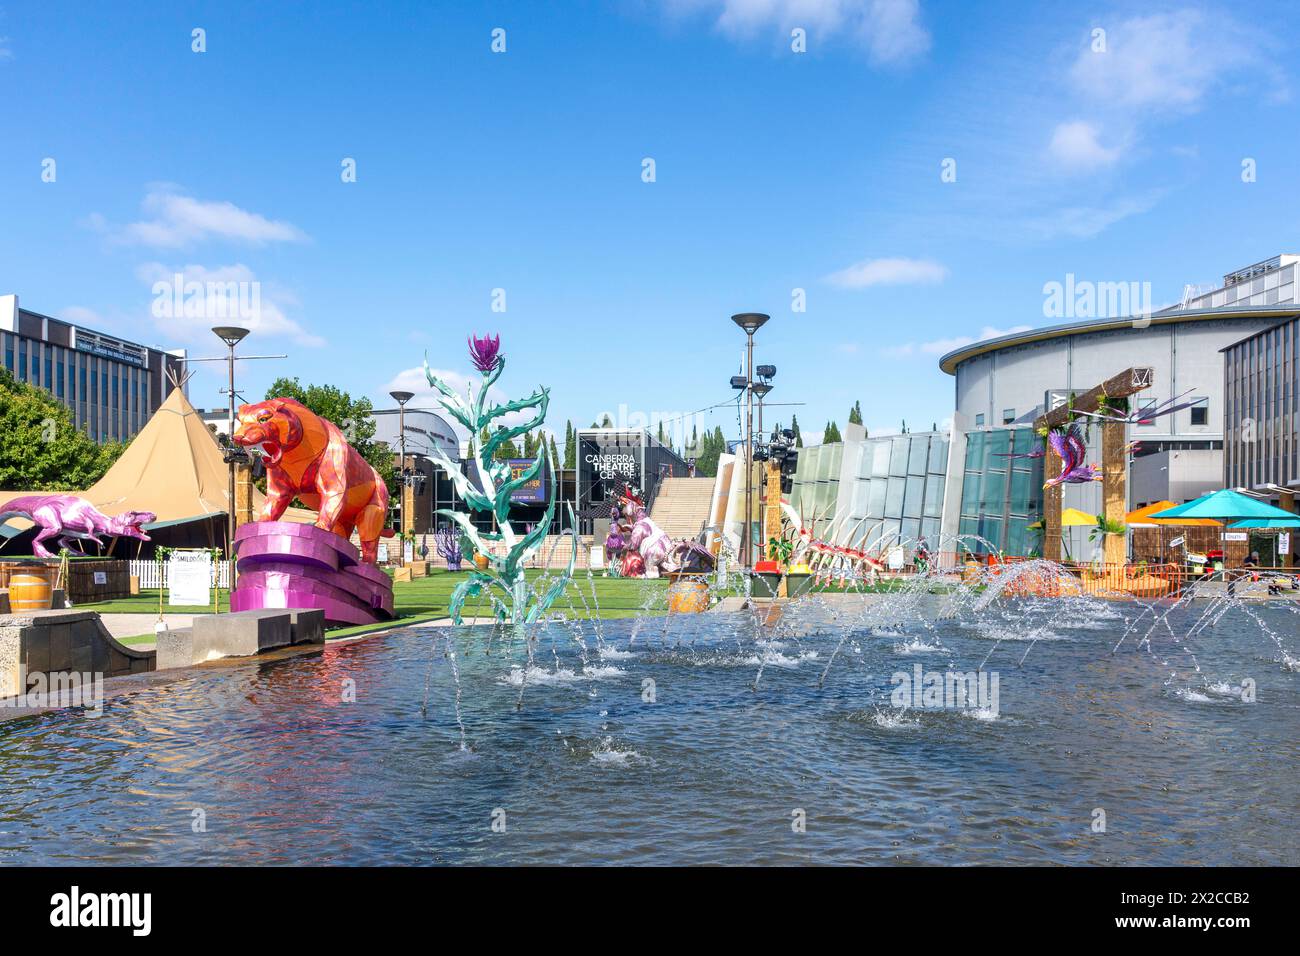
(1008, 416)
(1201, 411)
(979, 420)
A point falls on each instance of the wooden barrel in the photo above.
(688, 595)
(29, 591)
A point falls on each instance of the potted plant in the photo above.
(775, 571)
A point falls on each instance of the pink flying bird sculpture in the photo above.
(1070, 449)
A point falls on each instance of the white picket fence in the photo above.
(153, 574)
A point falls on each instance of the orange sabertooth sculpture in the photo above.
(307, 457)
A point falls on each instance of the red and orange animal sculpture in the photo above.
(307, 458)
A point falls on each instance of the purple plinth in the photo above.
(283, 564)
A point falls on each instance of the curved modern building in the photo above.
(1003, 384)
(1012, 378)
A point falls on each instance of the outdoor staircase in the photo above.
(681, 507)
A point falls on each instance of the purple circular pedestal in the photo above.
(283, 564)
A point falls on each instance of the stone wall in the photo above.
(62, 642)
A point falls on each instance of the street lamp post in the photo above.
(761, 389)
(751, 322)
(401, 398)
(232, 335)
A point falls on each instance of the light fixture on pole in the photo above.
(401, 398)
(232, 335)
(751, 322)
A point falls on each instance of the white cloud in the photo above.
(80, 315)
(1085, 222)
(944, 346)
(891, 271)
(221, 295)
(176, 220)
(1164, 61)
(1075, 146)
(889, 30)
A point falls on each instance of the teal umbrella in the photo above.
(1225, 504)
(1292, 522)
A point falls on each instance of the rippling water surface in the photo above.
(274, 763)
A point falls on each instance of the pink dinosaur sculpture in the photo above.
(70, 519)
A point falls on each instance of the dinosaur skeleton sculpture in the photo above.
(828, 560)
(72, 520)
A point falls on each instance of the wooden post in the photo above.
(1127, 383)
(1052, 509)
(408, 509)
(1286, 501)
(1114, 493)
(772, 511)
(244, 495)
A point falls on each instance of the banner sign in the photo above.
(531, 492)
(189, 578)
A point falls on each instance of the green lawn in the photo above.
(426, 599)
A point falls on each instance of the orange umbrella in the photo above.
(1142, 517)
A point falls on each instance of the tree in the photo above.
(832, 434)
(40, 447)
(855, 414)
(712, 446)
(504, 451)
(794, 427)
(570, 445)
(354, 417)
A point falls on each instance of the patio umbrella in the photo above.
(1141, 518)
(1074, 518)
(1225, 504)
(1292, 522)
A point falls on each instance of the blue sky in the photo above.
(523, 171)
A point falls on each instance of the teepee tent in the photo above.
(174, 469)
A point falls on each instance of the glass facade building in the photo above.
(1001, 496)
(816, 486)
(1262, 408)
(885, 489)
(111, 386)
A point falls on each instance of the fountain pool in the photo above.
(696, 739)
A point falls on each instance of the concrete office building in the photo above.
(1262, 415)
(111, 386)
